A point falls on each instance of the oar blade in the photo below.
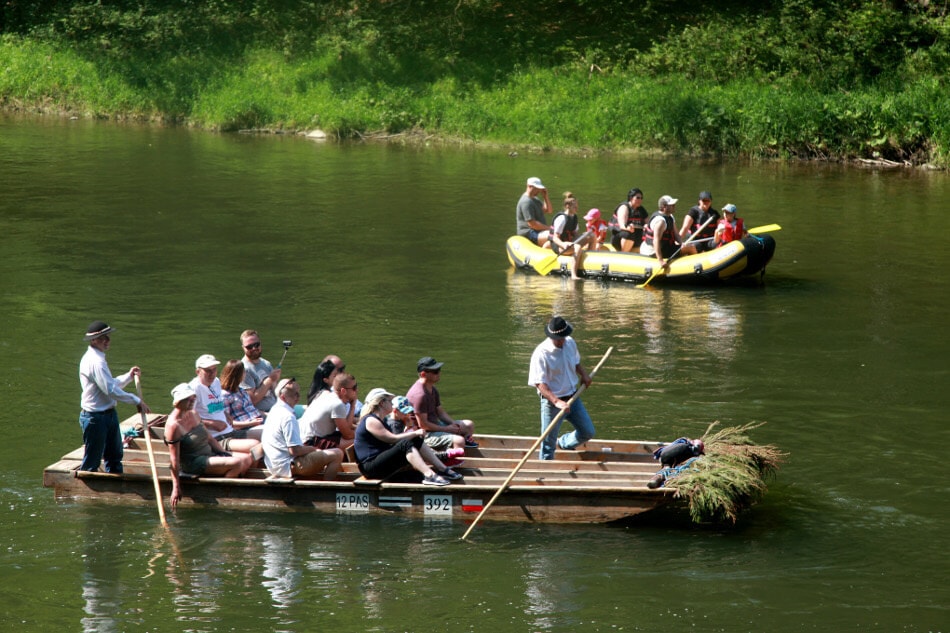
(765, 229)
(546, 264)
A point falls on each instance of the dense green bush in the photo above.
(792, 78)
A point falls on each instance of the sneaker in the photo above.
(470, 442)
(450, 475)
(451, 461)
(434, 480)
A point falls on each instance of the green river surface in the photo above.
(384, 253)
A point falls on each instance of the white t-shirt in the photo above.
(317, 420)
(210, 404)
(555, 367)
(280, 433)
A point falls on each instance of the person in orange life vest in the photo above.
(660, 238)
(564, 233)
(730, 227)
(597, 228)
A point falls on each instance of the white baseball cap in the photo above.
(536, 183)
(206, 361)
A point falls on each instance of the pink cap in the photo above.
(593, 214)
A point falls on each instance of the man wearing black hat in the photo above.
(554, 372)
(100, 424)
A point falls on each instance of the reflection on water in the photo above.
(666, 324)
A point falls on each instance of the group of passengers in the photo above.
(252, 416)
(632, 227)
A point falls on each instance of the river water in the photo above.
(383, 254)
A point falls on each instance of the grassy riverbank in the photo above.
(738, 80)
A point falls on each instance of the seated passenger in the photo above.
(190, 448)
(330, 420)
(660, 238)
(426, 401)
(210, 407)
(565, 238)
(284, 454)
(628, 222)
(597, 229)
(403, 418)
(730, 227)
(381, 453)
(529, 213)
(243, 414)
(698, 216)
(323, 376)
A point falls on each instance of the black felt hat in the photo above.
(558, 328)
(97, 329)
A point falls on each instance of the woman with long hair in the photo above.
(245, 418)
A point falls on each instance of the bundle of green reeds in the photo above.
(730, 477)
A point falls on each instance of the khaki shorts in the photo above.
(310, 464)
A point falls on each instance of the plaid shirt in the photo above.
(240, 407)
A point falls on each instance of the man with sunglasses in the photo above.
(330, 420)
(101, 434)
(260, 377)
(425, 399)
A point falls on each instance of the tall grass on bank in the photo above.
(566, 106)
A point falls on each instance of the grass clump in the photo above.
(729, 478)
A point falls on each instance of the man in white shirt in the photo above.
(101, 434)
(554, 372)
(284, 454)
(212, 409)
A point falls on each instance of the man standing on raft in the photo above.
(554, 372)
(101, 435)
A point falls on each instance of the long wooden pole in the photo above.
(151, 460)
(536, 444)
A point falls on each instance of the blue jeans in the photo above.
(103, 439)
(579, 419)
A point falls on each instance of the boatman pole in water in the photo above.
(536, 444)
(151, 460)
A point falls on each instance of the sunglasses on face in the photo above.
(253, 345)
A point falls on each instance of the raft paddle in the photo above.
(765, 228)
(537, 443)
(549, 262)
(151, 459)
(675, 253)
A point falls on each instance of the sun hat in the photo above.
(558, 328)
(182, 391)
(536, 183)
(402, 404)
(667, 201)
(729, 208)
(375, 396)
(705, 195)
(427, 363)
(206, 361)
(97, 329)
(593, 214)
